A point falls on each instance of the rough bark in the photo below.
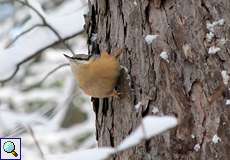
(189, 86)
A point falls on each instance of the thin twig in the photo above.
(46, 24)
(31, 132)
(10, 77)
(34, 55)
(53, 70)
(23, 33)
(17, 131)
(45, 77)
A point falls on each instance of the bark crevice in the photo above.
(185, 85)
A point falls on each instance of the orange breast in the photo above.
(99, 77)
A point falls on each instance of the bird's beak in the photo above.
(68, 57)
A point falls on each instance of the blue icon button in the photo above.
(10, 149)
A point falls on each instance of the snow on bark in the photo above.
(225, 77)
(150, 38)
(211, 26)
(213, 50)
(216, 139)
(152, 126)
(164, 55)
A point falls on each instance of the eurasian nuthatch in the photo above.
(97, 76)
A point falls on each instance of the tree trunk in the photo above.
(188, 84)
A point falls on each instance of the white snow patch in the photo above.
(149, 38)
(221, 22)
(210, 36)
(94, 37)
(213, 50)
(135, 3)
(197, 147)
(187, 50)
(227, 102)
(125, 68)
(164, 55)
(151, 126)
(155, 110)
(127, 72)
(88, 154)
(210, 26)
(225, 77)
(193, 136)
(138, 105)
(216, 139)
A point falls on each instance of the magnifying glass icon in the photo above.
(9, 147)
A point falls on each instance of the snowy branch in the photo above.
(31, 132)
(23, 33)
(152, 125)
(40, 13)
(46, 76)
(39, 38)
(11, 76)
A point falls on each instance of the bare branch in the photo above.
(31, 132)
(34, 55)
(45, 23)
(23, 33)
(10, 77)
(25, 3)
(17, 131)
(46, 76)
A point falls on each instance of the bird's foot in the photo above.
(116, 94)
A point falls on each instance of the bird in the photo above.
(97, 76)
